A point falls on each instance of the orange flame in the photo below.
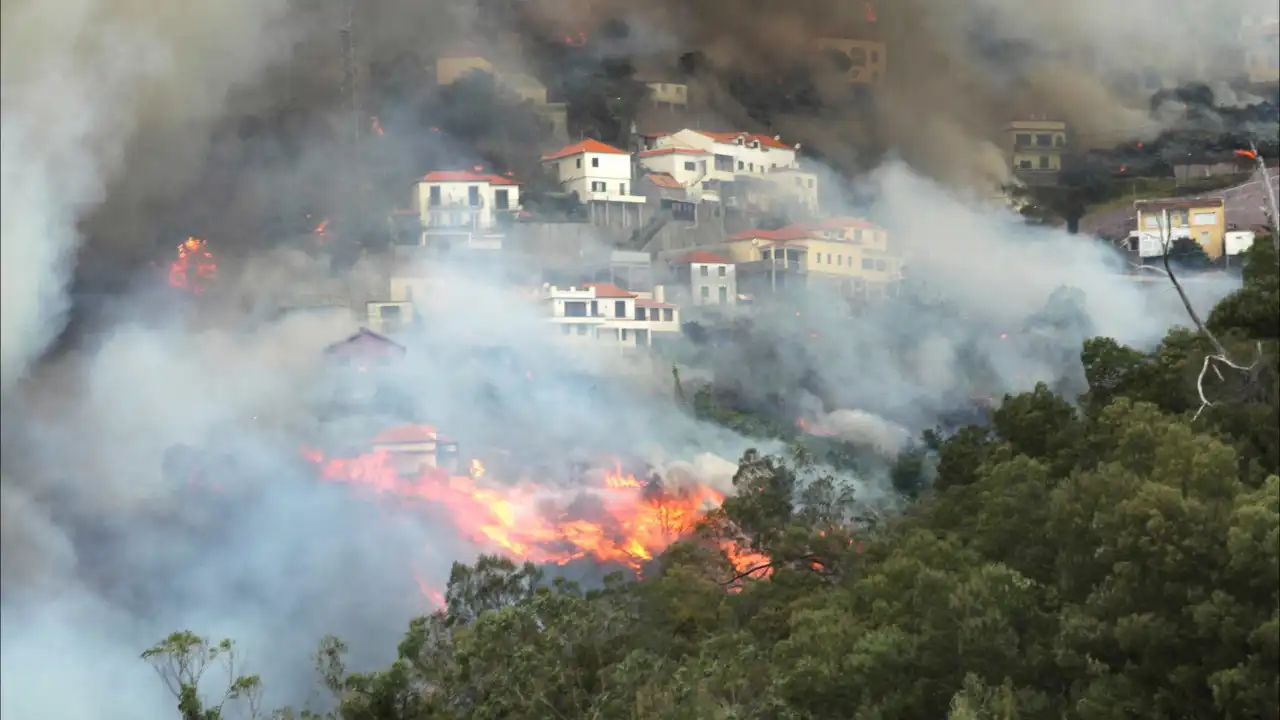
(803, 426)
(1247, 153)
(628, 524)
(194, 266)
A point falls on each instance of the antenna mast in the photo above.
(354, 192)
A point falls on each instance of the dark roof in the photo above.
(364, 342)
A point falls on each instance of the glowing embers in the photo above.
(194, 270)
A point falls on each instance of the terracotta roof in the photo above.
(728, 138)
(664, 180)
(791, 232)
(586, 146)
(443, 176)
(702, 256)
(650, 303)
(406, 434)
(839, 223)
(671, 150)
(607, 290)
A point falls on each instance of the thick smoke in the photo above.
(114, 114)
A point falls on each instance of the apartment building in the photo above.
(1160, 221)
(465, 208)
(601, 313)
(1034, 149)
(850, 252)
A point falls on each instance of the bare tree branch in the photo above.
(1222, 357)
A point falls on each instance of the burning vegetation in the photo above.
(194, 269)
(616, 520)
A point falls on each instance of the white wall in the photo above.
(674, 163)
(755, 161)
(455, 199)
(585, 172)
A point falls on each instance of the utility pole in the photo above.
(353, 193)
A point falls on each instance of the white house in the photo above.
(709, 279)
(687, 167)
(601, 175)
(603, 313)
(734, 153)
(465, 208)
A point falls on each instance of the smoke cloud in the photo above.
(126, 127)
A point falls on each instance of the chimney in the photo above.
(797, 147)
(777, 137)
(659, 293)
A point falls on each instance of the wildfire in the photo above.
(619, 520)
(805, 427)
(194, 268)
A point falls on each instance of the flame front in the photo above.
(194, 267)
(617, 521)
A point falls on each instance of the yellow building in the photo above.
(1034, 149)
(849, 250)
(1203, 220)
(864, 62)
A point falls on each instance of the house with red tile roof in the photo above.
(416, 448)
(596, 313)
(738, 169)
(853, 252)
(602, 177)
(465, 208)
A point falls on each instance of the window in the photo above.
(639, 313)
(741, 164)
(1024, 164)
(724, 295)
(705, 292)
(724, 163)
(704, 270)
(1044, 139)
(839, 259)
(817, 259)
(722, 270)
(1022, 139)
(623, 334)
(691, 166)
(502, 199)
(668, 315)
(597, 186)
(577, 163)
(1044, 162)
(702, 166)
(764, 254)
(622, 188)
(389, 313)
(1204, 219)
(751, 167)
(1151, 221)
(595, 162)
(868, 264)
(595, 308)
(575, 309)
(1059, 140)
(473, 196)
(653, 314)
(620, 308)
(433, 197)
